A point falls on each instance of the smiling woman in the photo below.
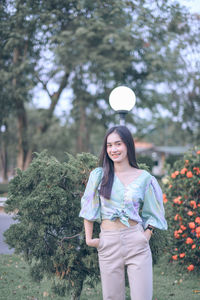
(116, 148)
(114, 194)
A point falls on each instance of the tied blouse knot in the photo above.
(143, 195)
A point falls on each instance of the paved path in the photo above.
(5, 222)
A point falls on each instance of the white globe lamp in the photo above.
(122, 100)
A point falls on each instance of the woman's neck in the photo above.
(122, 167)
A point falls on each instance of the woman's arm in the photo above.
(88, 234)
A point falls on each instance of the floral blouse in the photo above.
(125, 201)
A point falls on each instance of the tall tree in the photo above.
(88, 47)
(18, 63)
(120, 42)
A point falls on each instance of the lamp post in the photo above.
(122, 100)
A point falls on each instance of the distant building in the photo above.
(158, 154)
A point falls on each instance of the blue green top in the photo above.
(125, 201)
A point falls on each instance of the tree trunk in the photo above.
(82, 130)
(4, 160)
(77, 292)
(22, 139)
(28, 158)
(21, 121)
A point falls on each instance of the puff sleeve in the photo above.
(90, 202)
(153, 210)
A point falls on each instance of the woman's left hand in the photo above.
(147, 234)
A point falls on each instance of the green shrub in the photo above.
(47, 199)
(182, 194)
(145, 159)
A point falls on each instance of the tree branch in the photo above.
(44, 85)
(56, 96)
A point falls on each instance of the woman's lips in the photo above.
(115, 155)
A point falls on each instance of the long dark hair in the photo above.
(107, 164)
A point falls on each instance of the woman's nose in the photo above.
(114, 149)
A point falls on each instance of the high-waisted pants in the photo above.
(125, 247)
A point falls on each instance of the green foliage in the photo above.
(90, 47)
(182, 189)
(146, 160)
(47, 199)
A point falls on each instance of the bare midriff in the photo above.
(116, 224)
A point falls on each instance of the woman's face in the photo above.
(116, 148)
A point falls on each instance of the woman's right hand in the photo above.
(93, 243)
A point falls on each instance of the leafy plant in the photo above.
(46, 198)
(182, 199)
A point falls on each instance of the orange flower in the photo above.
(176, 218)
(198, 230)
(186, 161)
(190, 267)
(165, 198)
(190, 213)
(173, 175)
(189, 174)
(176, 234)
(198, 152)
(176, 249)
(193, 204)
(176, 173)
(180, 231)
(197, 170)
(183, 227)
(197, 220)
(189, 241)
(177, 200)
(191, 225)
(175, 257)
(170, 186)
(183, 171)
(182, 255)
(184, 235)
(193, 246)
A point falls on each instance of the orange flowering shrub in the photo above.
(190, 267)
(182, 192)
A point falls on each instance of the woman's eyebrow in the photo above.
(114, 142)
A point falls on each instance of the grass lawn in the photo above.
(15, 284)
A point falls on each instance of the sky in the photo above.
(193, 5)
(41, 99)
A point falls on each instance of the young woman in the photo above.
(114, 194)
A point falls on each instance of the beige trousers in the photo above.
(125, 247)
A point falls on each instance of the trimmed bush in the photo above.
(47, 199)
(182, 198)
